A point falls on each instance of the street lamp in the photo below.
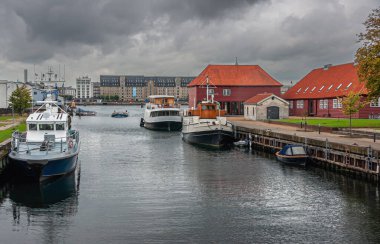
(13, 112)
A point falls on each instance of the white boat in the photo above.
(162, 113)
(48, 148)
(206, 125)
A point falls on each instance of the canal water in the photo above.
(139, 186)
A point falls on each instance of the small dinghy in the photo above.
(120, 114)
(293, 155)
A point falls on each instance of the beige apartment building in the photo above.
(138, 88)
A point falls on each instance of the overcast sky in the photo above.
(287, 38)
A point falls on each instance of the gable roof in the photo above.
(235, 75)
(259, 98)
(327, 82)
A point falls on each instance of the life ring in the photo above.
(71, 143)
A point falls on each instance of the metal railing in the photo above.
(68, 143)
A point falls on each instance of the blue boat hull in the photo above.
(40, 172)
(119, 115)
(210, 139)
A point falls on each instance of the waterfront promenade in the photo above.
(291, 130)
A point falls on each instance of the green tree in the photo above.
(368, 56)
(351, 104)
(20, 99)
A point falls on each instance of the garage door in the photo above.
(273, 112)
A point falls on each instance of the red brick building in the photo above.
(317, 93)
(231, 85)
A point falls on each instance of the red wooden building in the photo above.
(231, 85)
(317, 93)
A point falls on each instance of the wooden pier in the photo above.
(350, 158)
(4, 149)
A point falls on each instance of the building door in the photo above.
(273, 112)
(311, 108)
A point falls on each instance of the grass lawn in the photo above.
(356, 123)
(9, 117)
(5, 134)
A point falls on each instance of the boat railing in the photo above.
(69, 143)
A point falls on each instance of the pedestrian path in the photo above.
(290, 130)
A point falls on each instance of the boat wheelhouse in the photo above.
(162, 113)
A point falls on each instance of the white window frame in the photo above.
(226, 92)
(300, 103)
(375, 103)
(323, 103)
(291, 104)
(337, 103)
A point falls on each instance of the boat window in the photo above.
(174, 113)
(46, 127)
(204, 107)
(32, 126)
(60, 126)
(298, 151)
(288, 151)
(210, 107)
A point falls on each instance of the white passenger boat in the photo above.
(162, 113)
(49, 147)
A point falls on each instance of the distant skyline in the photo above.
(287, 38)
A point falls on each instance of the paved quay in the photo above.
(290, 130)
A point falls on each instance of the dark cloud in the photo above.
(180, 36)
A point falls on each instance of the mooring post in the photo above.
(301, 124)
(374, 137)
(319, 128)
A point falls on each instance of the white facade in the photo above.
(6, 89)
(259, 110)
(84, 87)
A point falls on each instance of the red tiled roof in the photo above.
(335, 81)
(235, 75)
(258, 98)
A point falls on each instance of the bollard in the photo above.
(305, 125)
(301, 124)
(374, 137)
(319, 128)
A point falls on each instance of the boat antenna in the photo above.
(206, 88)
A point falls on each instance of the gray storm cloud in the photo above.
(169, 37)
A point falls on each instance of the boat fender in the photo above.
(71, 143)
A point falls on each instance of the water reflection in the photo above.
(45, 194)
(47, 207)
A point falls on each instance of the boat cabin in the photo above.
(161, 101)
(40, 125)
(207, 110)
(293, 150)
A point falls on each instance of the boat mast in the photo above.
(207, 88)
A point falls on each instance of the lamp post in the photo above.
(13, 112)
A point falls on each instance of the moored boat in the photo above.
(162, 113)
(120, 114)
(206, 125)
(82, 112)
(292, 154)
(48, 148)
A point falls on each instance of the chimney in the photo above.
(327, 66)
(25, 75)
